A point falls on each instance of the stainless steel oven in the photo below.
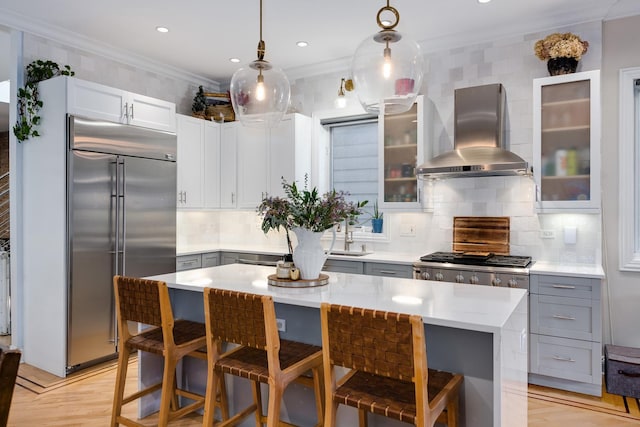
(488, 270)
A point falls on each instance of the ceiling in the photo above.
(205, 34)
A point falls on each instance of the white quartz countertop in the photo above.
(479, 308)
(565, 269)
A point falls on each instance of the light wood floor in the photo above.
(88, 403)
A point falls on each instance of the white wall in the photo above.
(621, 50)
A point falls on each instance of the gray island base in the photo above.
(477, 331)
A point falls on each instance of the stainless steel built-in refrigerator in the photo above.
(121, 219)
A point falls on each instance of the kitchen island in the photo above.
(477, 331)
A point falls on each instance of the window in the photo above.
(629, 178)
(354, 158)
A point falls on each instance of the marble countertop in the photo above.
(479, 308)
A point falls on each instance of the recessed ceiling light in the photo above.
(162, 29)
(302, 43)
(234, 60)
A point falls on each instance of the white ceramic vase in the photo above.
(308, 255)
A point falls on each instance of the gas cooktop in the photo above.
(478, 258)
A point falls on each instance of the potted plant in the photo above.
(561, 51)
(308, 215)
(29, 102)
(199, 104)
(376, 219)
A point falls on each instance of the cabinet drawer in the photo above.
(565, 358)
(353, 267)
(574, 287)
(211, 259)
(565, 317)
(389, 270)
(188, 262)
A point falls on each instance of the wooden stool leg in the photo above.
(210, 400)
(452, 412)
(121, 376)
(168, 391)
(318, 390)
(257, 400)
(224, 401)
(330, 408)
(275, 399)
(362, 418)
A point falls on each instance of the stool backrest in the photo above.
(239, 317)
(377, 342)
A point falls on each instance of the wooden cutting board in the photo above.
(481, 234)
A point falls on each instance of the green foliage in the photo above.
(199, 101)
(376, 213)
(29, 102)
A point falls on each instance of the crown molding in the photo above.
(57, 34)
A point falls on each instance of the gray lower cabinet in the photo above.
(388, 270)
(340, 266)
(249, 258)
(188, 262)
(565, 323)
(211, 259)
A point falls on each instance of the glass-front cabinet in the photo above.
(566, 138)
(402, 147)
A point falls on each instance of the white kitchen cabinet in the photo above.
(188, 262)
(198, 163)
(566, 142)
(404, 144)
(388, 270)
(98, 101)
(265, 156)
(565, 333)
(190, 131)
(228, 165)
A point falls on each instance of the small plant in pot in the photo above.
(376, 219)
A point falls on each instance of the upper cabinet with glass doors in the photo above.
(403, 146)
(566, 142)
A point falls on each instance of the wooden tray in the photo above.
(274, 280)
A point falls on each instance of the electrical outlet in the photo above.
(547, 234)
(408, 230)
(282, 325)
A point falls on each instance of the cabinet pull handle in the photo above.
(629, 374)
(132, 111)
(563, 286)
(126, 110)
(388, 272)
(560, 316)
(232, 197)
(564, 359)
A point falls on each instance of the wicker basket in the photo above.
(215, 112)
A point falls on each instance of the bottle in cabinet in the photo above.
(566, 136)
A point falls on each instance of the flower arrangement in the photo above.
(559, 45)
(306, 209)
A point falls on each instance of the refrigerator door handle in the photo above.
(116, 262)
(124, 214)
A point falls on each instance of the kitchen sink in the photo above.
(350, 253)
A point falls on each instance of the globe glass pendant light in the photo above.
(387, 68)
(260, 91)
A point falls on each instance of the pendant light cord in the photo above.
(261, 45)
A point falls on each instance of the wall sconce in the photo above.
(341, 100)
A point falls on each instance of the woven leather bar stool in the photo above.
(386, 355)
(147, 302)
(260, 356)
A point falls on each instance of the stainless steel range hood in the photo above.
(479, 137)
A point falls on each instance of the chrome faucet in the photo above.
(348, 236)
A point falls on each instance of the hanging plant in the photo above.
(29, 102)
